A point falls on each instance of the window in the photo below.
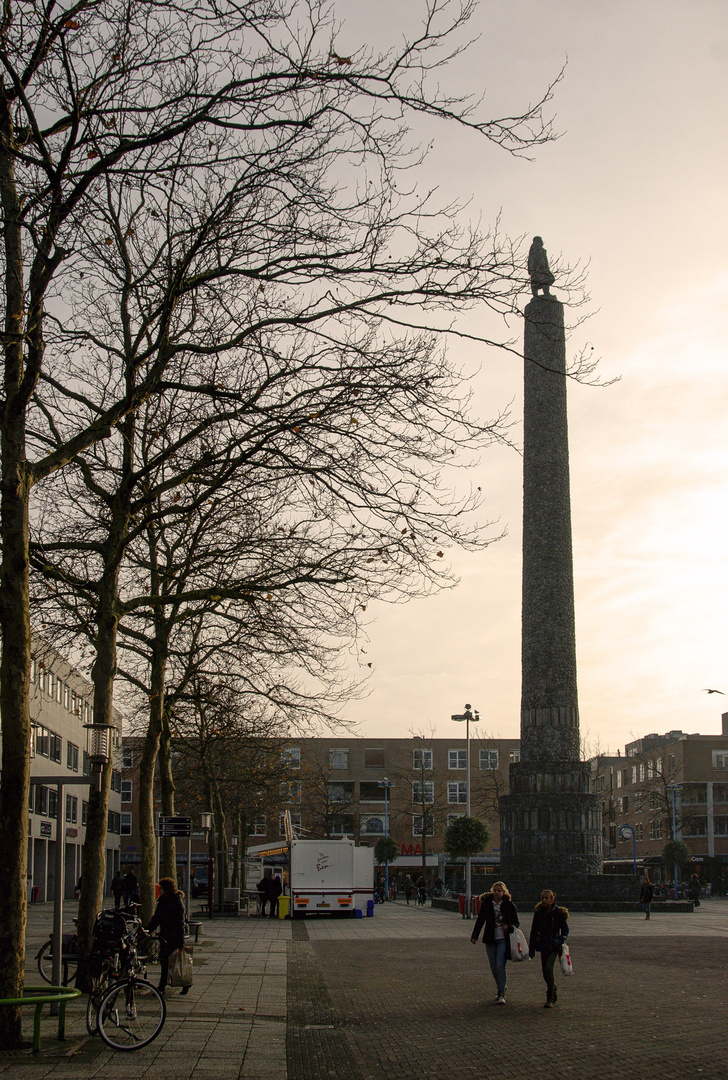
(720, 826)
(650, 770)
(295, 822)
(599, 784)
(59, 691)
(642, 770)
(86, 765)
(489, 759)
(373, 757)
(514, 756)
(86, 712)
(257, 826)
(457, 759)
(114, 822)
(372, 826)
(41, 801)
(654, 801)
(620, 806)
(84, 812)
(31, 798)
(639, 831)
(42, 741)
(694, 793)
(619, 778)
(695, 826)
(33, 670)
(656, 829)
(370, 791)
(125, 824)
(625, 803)
(720, 759)
(116, 781)
(720, 793)
(417, 825)
(634, 774)
(52, 802)
(126, 788)
(127, 757)
(72, 756)
(342, 792)
(55, 747)
(422, 759)
(342, 825)
(50, 685)
(453, 817)
(338, 759)
(429, 791)
(457, 791)
(291, 756)
(639, 802)
(71, 809)
(74, 703)
(66, 696)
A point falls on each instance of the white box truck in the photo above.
(327, 876)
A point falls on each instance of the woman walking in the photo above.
(499, 916)
(646, 894)
(549, 931)
(169, 916)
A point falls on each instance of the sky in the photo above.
(635, 187)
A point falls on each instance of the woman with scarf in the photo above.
(549, 931)
(499, 916)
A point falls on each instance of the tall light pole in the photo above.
(386, 783)
(672, 788)
(467, 716)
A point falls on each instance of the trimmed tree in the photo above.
(466, 836)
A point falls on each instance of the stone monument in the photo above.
(550, 822)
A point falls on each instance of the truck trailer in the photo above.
(329, 876)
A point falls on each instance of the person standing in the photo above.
(276, 888)
(498, 916)
(408, 887)
(695, 889)
(131, 886)
(117, 888)
(647, 893)
(169, 917)
(549, 931)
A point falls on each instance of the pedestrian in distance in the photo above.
(695, 889)
(549, 931)
(647, 893)
(408, 887)
(276, 890)
(497, 918)
(117, 888)
(131, 887)
(169, 919)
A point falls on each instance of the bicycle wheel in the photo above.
(131, 1014)
(99, 987)
(45, 962)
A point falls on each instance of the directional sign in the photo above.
(175, 826)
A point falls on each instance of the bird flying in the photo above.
(713, 691)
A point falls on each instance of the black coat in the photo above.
(486, 918)
(169, 916)
(549, 930)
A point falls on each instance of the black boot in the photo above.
(549, 1001)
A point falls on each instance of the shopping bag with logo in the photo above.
(565, 961)
(519, 945)
(180, 967)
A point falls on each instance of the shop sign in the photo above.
(45, 828)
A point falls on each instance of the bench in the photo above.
(194, 927)
(40, 996)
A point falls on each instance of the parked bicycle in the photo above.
(124, 1008)
(69, 959)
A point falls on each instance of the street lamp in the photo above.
(206, 820)
(99, 754)
(467, 716)
(386, 783)
(673, 788)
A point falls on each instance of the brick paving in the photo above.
(405, 994)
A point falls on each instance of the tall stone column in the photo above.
(550, 823)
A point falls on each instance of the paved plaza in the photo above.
(406, 995)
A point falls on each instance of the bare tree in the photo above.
(129, 129)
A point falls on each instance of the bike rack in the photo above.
(40, 996)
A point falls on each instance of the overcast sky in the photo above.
(637, 186)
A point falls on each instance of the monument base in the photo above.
(589, 892)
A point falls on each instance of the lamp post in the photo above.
(386, 783)
(672, 788)
(99, 754)
(467, 716)
(206, 823)
(626, 832)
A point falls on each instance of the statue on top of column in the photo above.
(538, 268)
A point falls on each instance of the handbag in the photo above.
(519, 945)
(180, 967)
(565, 961)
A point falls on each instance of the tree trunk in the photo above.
(14, 609)
(147, 870)
(166, 780)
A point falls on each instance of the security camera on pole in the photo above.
(467, 716)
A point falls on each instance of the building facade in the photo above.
(665, 785)
(60, 705)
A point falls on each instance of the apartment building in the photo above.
(675, 783)
(60, 705)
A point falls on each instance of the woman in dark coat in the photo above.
(499, 916)
(169, 916)
(647, 893)
(549, 931)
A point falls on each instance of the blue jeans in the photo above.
(497, 960)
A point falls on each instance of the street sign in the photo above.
(175, 826)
